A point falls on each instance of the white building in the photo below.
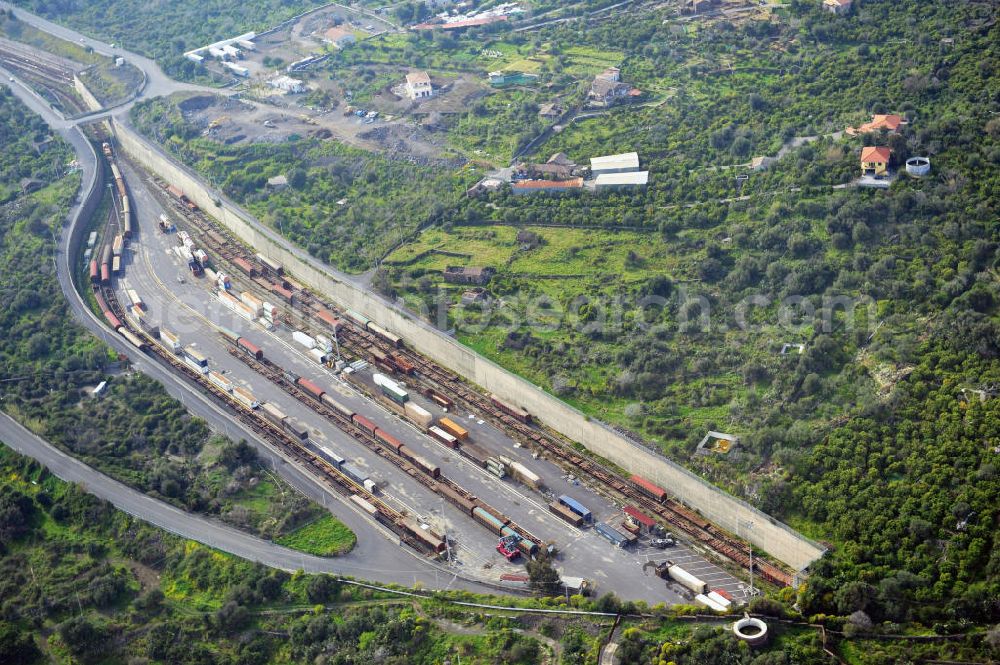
(606, 181)
(237, 69)
(339, 37)
(287, 84)
(622, 163)
(418, 85)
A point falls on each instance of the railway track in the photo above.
(362, 342)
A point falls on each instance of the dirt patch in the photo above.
(147, 577)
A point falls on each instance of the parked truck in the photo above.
(670, 570)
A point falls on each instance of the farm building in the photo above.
(611, 181)
(468, 275)
(339, 37)
(418, 85)
(623, 163)
(287, 84)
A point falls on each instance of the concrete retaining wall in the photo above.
(85, 93)
(721, 508)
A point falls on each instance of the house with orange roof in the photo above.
(887, 122)
(875, 161)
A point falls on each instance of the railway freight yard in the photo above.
(453, 474)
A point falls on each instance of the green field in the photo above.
(325, 536)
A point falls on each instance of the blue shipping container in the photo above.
(576, 507)
(616, 539)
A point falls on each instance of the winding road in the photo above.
(377, 554)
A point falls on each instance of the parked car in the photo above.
(663, 543)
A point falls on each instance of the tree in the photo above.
(542, 576)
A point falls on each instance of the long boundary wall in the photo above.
(723, 509)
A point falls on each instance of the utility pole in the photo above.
(749, 525)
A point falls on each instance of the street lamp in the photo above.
(749, 525)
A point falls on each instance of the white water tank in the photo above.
(918, 166)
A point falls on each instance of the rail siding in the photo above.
(727, 511)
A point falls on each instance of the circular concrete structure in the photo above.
(750, 630)
(918, 166)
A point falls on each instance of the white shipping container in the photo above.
(221, 381)
(418, 414)
(246, 397)
(720, 599)
(183, 236)
(201, 256)
(189, 244)
(365, 505)
(170, 340)
(371, 486)
(686, 579)
(270, 311)
(383, 381)
(194, 363)
(318, 355)
(304, 339)
(525, 475)
(324, 343)
(709, 603)
(184, 253)
(252, 301)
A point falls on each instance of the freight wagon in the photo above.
(196, 359)
(332, 322)
(310, 387)
(418, 415)
(95, 274)
(358, 318)
(354, 473)
(116, 265)
(441, 400)
(649, 488)
(427, 538)
(565, 513)
(491, 522)
(126, 217)
(273, 266)
(245, 397)
(510, 410)
(611, 534)
(220, 381)
(132, 338)
(465, 504)
(477, 454)
(333, 457)
(576, 507)
(390, 388)
(453, 428)
(250, 348)
(273, 413)
(337, 406)
(364, 423)
(364, 505)
(170, 341)
(442, 436)
(379, 331)
(402, 364)
(430, 469)
(296, 429)
(389, 440)
(245, 266)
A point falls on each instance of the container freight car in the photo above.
(465, 504)
(220, 381)
(576, 507)
(116, 265)
(491, 522)
(296, 429)
(118, 245)
(649, 488)
(565, 513)
(672, 571)
(95, 274)
(273, 413)
(510, 410)
(426, 538)
(403, 365)
(336, 406)
(477, 454)
(333, 457)
(354, 473)
(105, 274)
(364, 505)
(245, 397)
(196, 359)
(453, 428)
(358, 318)
(442, 436)
(170, 341)
(132, 338)
(611, 534)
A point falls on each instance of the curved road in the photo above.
(377, 548)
